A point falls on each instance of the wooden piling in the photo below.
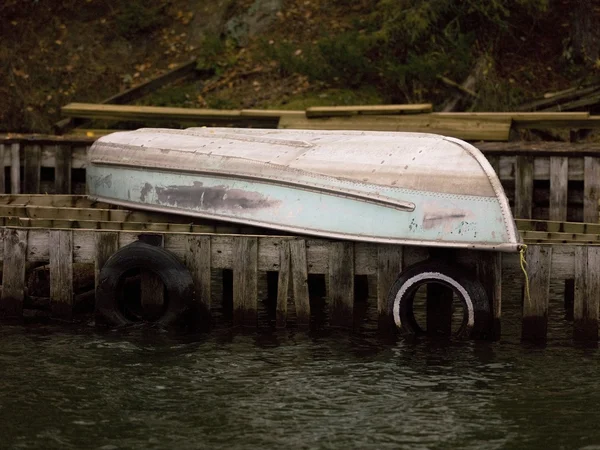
(341, 283)
(197, 258)
(15, 169)
(389, 266)
(61, 274)
(32, 169)
(283, 282)
(245, 281)
(535, 306)
(62, 169)
(591, 188)
(300, 281)
(559, 180)
(587, 291)
(489, 273)
(524, 187)
(13, 278)
(2, 178)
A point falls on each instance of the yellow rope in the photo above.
(523, 268)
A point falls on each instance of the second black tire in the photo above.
(179, 286)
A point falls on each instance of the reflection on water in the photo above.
(143, 390)
(146, 389)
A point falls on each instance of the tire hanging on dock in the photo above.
(467, 289)
(176, 278)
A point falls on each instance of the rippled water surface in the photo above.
(145, 389)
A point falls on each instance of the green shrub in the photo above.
(136, 17)
(402, 46)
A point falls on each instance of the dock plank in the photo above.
(389, 266)
(283, 284)
(13, 269)
(61, 274)
(245, 281)
(591, 188)
(341, 283)
(489, 130)
(32, 168)
(62, 169)
(330, 111)
(197, 259)
(299, 277)
(587, 292)
(524, 187)
(559, 179)
(2, 175)
(535, 306)
(15, 168)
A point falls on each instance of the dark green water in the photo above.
(145, 389)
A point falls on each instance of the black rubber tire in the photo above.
(466, 288)
(177, 280)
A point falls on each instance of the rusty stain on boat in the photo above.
(199, 196)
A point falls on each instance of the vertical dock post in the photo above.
(62, 169)
(587, 291)
(61, 274)
(197, 259)
(2, 180)
(591, 188)
(489, 271)
(535, 307)
(389, 266)
(283, 283)
(15, 169)
(13, 284)
(341, 283)
(106, 244)
(245, 281)
(559, 180)
(300, 282)
(524, 187)
(31, 171)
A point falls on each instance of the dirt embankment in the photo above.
(283, 53)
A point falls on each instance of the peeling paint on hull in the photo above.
(198, 196)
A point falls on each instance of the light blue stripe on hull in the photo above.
(437, 220)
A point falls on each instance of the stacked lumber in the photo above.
(567, 100)
(471, 126)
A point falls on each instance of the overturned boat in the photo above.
(399, 188)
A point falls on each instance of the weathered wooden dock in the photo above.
(35, 234)
(62, 232)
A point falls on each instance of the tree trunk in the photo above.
(585, 33)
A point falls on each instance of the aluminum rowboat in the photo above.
(385, 187)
